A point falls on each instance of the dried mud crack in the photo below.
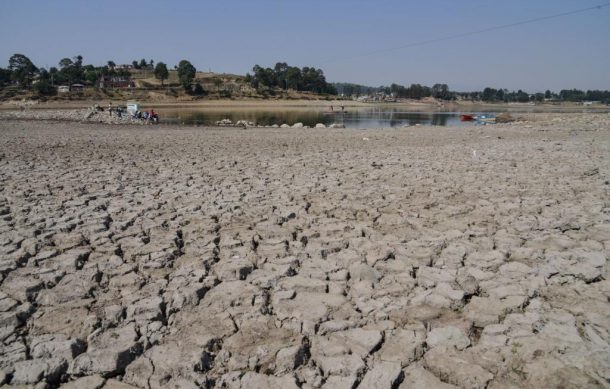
(156, 257)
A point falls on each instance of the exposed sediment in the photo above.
(158, 257)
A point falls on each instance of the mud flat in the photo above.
(157, 257)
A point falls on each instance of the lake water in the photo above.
(353, 117)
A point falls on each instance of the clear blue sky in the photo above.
(335, 35)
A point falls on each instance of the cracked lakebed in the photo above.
(155, 257)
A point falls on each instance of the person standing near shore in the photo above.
(110, 108)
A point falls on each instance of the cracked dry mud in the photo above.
(162, 257)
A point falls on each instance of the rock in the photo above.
(320, 125)
(284, 126)
(337, 125)
(297, 125)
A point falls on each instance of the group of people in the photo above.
(149, 116)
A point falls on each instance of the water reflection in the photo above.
(351, 118)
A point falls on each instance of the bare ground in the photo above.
(421, 257)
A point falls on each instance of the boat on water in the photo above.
(334, 112)
(486, 119)
(467, 118)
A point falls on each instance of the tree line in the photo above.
(442, 92)
(283, 76)
(22, 72)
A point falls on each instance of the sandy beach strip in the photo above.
(161, 256)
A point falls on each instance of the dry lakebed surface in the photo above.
(419, 257)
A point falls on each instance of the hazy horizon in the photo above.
(340, 37)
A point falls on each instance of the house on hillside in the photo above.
(77, 88)
(63, 89)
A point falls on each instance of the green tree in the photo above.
(44, 88)
(135, 64)
(198, 90)
(293, 77)
(522, 96)
(111, 65)
(441, 91)
(161, 72)
(186, 74)
(22, 69)
(5, 77)
(71, 70)
(143, 64)
(489, 94)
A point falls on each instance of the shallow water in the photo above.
(351, 118)
(359, 118)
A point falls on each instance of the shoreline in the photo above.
(302, 104)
